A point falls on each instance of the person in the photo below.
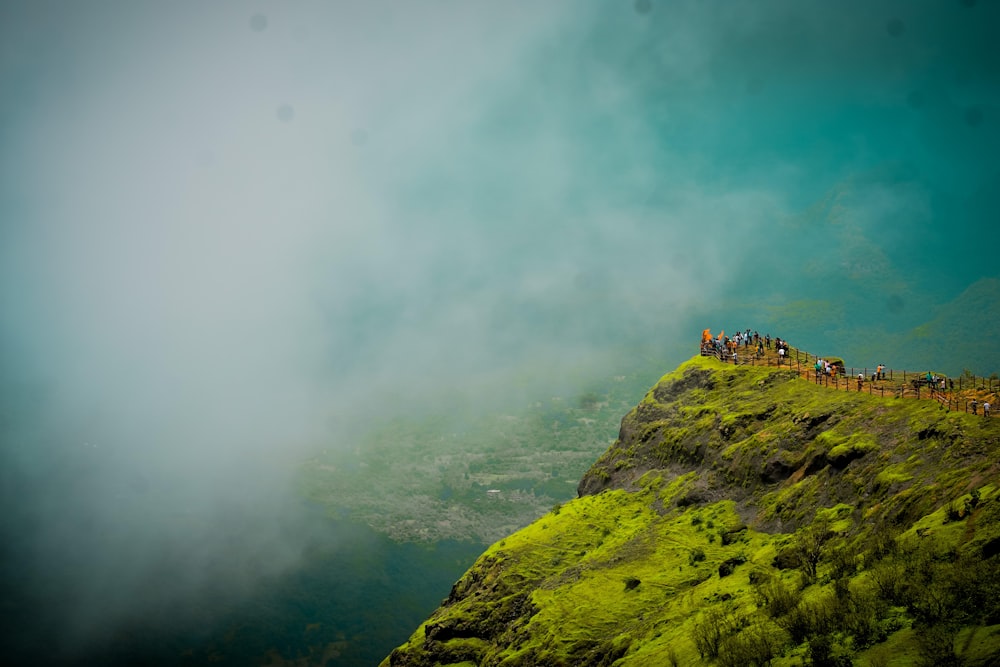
(881, 371)
(930, 379)
(818, 367)
(986, 408)
(861, 380)
(951, 384)
(975, 406)
(734, 356)
(781, 355)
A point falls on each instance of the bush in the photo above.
(807, 619)
(862, 617)
(775, 596)
(824, 652)
(884, 542)
(953, 513)
(809, 547)
(972, 502)
(889, 578)
(728, 566)
(709, 633)
(844, 562)
(937, 646)
(696, 556)
(756, 645)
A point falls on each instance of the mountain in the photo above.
(748, 516)
(962, 329)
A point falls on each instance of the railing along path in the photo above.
(966, 393)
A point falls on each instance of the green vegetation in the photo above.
(746, 517)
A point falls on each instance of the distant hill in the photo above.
(967, 328)
(745, 516)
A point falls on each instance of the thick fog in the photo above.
(234, 232)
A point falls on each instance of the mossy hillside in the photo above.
(609, 579)
(781, 446)
(742, 521)
(596, 571)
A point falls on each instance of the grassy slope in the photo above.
(768, 472)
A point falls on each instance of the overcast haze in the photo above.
(231, 233)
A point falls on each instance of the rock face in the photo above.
(743, 517)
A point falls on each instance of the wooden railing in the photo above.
(959, 393)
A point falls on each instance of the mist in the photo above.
(234, 233)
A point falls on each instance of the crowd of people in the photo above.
(754, 345)
(728, 347)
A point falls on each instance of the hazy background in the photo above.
(234, 232)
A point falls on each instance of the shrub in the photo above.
(824, 652)
(709, 633)
(756, 645)
(773, 594)
(937, 646)
(809, 547)
(811, 618)
(844, 562)
(797, 623)
(727, 567)
(889, 578)
(862, 619)
(696, 556)
(884, 542)
(972, 502)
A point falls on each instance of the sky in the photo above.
(234, 232)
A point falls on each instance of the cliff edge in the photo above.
(745, 516)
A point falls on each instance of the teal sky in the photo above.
(231, 233)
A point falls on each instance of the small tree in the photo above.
(809, 546)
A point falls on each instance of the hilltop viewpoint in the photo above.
(750, 514)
